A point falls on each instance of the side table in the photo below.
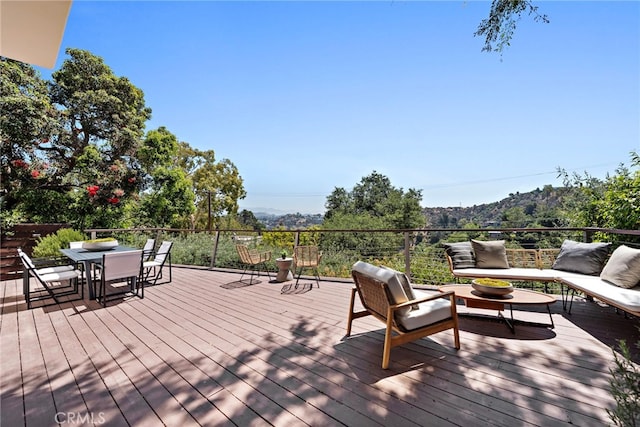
(284, 272)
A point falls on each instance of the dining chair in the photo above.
(147, 250)
(307, 257)
(120, 271)
(152, 269)
(55, 282)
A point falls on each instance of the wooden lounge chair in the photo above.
(383, 296)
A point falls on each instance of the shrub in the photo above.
(625, 388)
(50, 245)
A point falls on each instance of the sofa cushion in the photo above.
(627, 299)
(461, 254)
(491, 254)
(584, 258)
(623, 267)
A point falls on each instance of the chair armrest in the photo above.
(423, 299)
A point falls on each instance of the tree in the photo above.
(499, 27)
(75, 142)
(169, 197)
(609, 203)
(219, 182)
(27, 116)
(372, 204)
(376, 197)
(247, 218)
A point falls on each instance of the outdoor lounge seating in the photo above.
(576, 266)
(408, 314)
(253, 260)
(55, 282)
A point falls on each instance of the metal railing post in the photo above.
(407, 254)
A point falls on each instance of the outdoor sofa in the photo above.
(578, 267)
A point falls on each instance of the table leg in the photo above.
(88, 276)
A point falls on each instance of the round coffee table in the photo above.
(522, 297)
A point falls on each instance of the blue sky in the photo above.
(304, 96)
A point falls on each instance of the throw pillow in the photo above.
(623, 267)
(461, 254)
(491, 254)
(404, 282)
(583, 258)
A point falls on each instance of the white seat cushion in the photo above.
(428, 312)
(516, 273)
(629, 299)
(49, 270)
(60, 275)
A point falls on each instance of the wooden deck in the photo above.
(206, 350)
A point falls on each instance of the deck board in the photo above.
(208, 350)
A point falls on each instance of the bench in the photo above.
(619, 290)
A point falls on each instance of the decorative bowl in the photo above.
(492, 287)
(104, 245)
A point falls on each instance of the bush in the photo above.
(50, 245)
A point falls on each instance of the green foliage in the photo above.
(499, 27)
(365, 243)
(372, 204)
(610, 203)
(50, 245)
(217, 185)
(279, 238)
(248, 219)
(625, 388)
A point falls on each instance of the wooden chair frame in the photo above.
(375, 297)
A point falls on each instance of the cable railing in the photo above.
(417, 252)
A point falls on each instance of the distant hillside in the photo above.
(289, 221)
(517, 210)
(539, 207)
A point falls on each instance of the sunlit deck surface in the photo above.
(207, 350)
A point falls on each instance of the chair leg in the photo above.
(386, 352)
(351, 305)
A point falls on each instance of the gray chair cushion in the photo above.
(387, 276)
(583, 258)
(491, 254)
(623, 267)
(461, 254)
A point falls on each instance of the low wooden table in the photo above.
(475, 299)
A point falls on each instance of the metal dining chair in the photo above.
(120, 271)
(152, 269)
(55, 282)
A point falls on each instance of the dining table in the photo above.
(88, 257)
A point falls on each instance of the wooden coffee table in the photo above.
(522, 297)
